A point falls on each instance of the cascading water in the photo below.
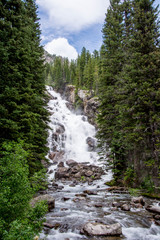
(68, 135)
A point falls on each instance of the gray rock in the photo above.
(61, 164)
(60, 129)
(91, 143)
(77, 175)
(138, 200)
(48, 198)
(48, 225)
(71, 163)
(99, 229)
(153, 209)
(61, 173)
(125, 207)
(88, 173)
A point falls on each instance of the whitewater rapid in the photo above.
(71, 215)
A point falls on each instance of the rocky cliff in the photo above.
(85, 100)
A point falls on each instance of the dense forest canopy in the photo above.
(23, 117)
(125, 75)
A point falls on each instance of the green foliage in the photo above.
(129, 176)
(15, 187)
(111, 183)
(83, 72)
(18, 219)
(83, 179)
(39, 180)
(30, 226)
(135, 192)
(147, 184)
(22, 116)
(129, 119)
(22, 87)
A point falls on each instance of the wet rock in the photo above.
(52, 155)
(61, 164)
(88, 173)
(136, 205)
(153, 209)
(98, 205)
(79, 199)
(60, 187)
(51, 171)
(114, 209)
(157, 217)
(81, 195)
(60, 129)
(72, 185)
(89, 192)
(91, 143)
(56, 156)
(77, 175)
(48, 198)
(54, 184)
(75, 169)
(71, 163)
(61, 173)
(98, 229)
(116, 204)
(125, 207)
(157, 222)
(70, 106)
(64, 209)
(48, 225)
(65, 198)
(55, 136)
(138, 200)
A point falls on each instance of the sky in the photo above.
(69, 25)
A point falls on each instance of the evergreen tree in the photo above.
(140, 108)
(22, 83)
(112, 60)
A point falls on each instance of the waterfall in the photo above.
(71, 135)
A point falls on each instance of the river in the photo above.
(73, 209)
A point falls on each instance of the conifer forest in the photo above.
(124, 75)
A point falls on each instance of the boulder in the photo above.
(89, 192)
(71, 163)
(48, 225)
(56, 156)
(153, 209)
(77, 175)
(61, 164)
(125, 207)
(99, 229)
(91, 143)
(88, 173)
(60, 129)
(52, 155)
(62, 172)
(70, 93)
(116, 204)
(138, 200)
(48, 198)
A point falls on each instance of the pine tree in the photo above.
(112, 60)
(140, 108)
(22, 83)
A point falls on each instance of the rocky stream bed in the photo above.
(81, 206)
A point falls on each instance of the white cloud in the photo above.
(61, 47)
(73, 15)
